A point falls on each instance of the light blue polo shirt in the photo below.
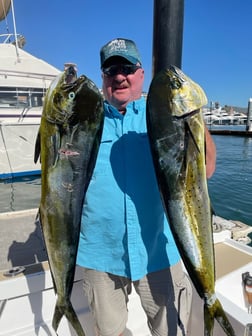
(124, 230)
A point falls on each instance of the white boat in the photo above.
(219, 116)
(24, 80)
(27, 297)
(210, 118)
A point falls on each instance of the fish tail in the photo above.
(208, 320)
(216, 311)
(57, 316)
(67, 310)
(223, 320)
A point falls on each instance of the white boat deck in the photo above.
(31, 291)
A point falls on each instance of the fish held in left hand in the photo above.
(177, 138)
(68, 143)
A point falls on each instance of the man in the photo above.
(125, 238)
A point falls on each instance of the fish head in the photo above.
(173, 100)
(165, 130)
(60, 100)
(89, 98)
(185, 96)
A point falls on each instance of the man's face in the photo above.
(119, 87)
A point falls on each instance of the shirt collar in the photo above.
(135, 106)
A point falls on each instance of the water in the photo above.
(230, 188)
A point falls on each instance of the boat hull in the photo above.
(17, 143)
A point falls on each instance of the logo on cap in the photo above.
(117, 45)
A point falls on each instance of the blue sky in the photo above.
(217, 44)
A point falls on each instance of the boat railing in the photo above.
(11, 38)
(26, 74)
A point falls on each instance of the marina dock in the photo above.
(231, 132)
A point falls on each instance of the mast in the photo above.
(15, 31)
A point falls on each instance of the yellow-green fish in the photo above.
(177, 137)
(68, 143)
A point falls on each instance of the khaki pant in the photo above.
(165, 296)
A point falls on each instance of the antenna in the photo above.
(15, 31)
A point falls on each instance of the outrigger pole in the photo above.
(167, 34)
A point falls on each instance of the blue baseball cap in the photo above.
(120, 47)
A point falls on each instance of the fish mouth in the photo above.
(70, 74)
(73, 83)
(176, 77)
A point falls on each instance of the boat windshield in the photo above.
(21, 97)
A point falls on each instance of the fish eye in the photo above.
(71, 95)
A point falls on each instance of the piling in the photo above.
(249, 118)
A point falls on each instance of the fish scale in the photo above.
(177, 138)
